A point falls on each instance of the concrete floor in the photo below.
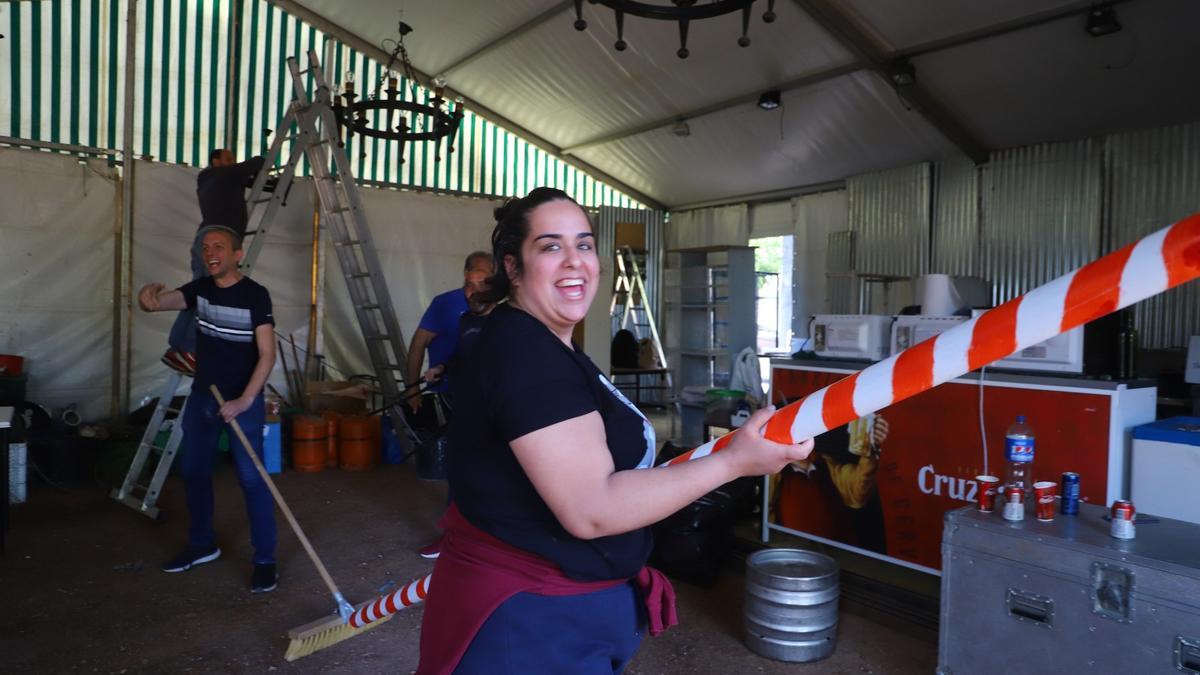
(81, 590)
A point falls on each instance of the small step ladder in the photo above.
(630, 299)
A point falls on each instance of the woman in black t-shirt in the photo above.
(552, 472)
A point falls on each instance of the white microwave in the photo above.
(1062, 353)
(912, 330)
(850, 336)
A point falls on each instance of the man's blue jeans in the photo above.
(201, 429)
(183, 331)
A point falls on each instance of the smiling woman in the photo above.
(542, 568)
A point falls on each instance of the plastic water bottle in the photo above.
(1018, 449)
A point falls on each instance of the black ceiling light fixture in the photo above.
(770, 100)
(1101, 21)
(902, 73)
(431, 121)
(679, 11)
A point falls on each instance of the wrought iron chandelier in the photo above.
(432, 121)
(680, 11)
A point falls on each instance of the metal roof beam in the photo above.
(359, 44)
(507, 37)
(851, 32)
(741, 99)
(753, 198)
(998, 29)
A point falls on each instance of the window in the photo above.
(773, 268)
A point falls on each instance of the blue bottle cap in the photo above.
(1020, 419)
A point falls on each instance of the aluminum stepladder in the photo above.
(629, 293)
(143, 497)
(343, 214)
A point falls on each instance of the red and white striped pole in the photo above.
(1162, 260)
(406, 596)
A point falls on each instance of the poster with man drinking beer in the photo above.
(883, 483)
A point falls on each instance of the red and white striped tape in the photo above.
(1162, 260)
(407, 595)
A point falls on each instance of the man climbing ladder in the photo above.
(220, 190)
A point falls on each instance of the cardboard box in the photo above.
(338, 395)
(632, 235)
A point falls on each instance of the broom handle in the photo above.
(287, 512)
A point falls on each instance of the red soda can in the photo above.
(1122, 520)
(987, 492)
(1014, 503)
(1044, 494)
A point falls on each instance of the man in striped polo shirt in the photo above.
(235, 350)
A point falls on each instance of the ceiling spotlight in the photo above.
(681, 129)
(770, 100)
(1101, 21)
(902, 73)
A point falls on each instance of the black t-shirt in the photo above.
(519, 378)
(221, 191)
(226, 352)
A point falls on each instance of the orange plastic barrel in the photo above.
(358, 444)
(331, 422)
(310, 443)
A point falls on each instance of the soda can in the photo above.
(987, 492)
(1014, 503)
(1044, 495)
(1069, 494)
(1122, 520)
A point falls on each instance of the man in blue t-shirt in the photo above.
(235, 351)
(438, 330)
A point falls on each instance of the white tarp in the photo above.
(422, 241)
(166, 216)
(56, 275)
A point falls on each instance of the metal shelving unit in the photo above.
(712, 307)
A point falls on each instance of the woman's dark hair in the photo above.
(512, 226)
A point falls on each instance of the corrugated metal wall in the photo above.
(1153, 180)
(955, 241)
(1041, 214)
(61, 80)
(889, 212)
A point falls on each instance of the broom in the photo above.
(325, 632)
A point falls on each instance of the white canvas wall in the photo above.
(166, 216)
(56, 275)
(422, 240)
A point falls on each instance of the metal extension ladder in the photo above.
(356, 254)
(343, 213)
(629, 294)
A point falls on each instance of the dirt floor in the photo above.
(81, 590)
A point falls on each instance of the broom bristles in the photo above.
(316, 636)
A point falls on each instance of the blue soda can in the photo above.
(1069, 502)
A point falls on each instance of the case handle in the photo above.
(1031, 607)
(1187, 654)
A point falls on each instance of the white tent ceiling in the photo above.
(990, 75)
